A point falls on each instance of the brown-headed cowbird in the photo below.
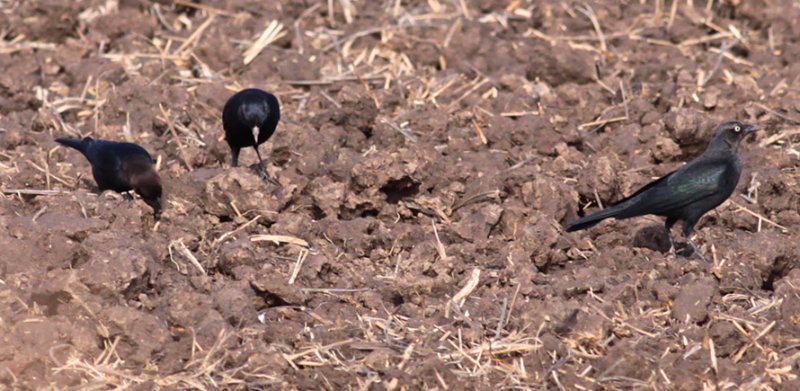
(120, 167)
(250, 117)
(688, 192)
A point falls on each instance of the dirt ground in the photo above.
(429, 154)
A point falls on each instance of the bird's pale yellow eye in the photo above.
(737, 128)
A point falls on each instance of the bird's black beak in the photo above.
(750, 128)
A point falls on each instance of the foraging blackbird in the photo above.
(250, 117)
(688, 192)
(120, 167)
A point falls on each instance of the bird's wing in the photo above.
(689, 184)
(646, 187)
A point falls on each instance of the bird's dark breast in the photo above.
(267, 128)
(237, 133)
(240, 134)
(240, 138)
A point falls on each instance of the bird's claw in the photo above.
(696, 250)
(672, 246)
(266, 177)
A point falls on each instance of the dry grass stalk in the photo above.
(456, 26)
(203, 7)
(439, 245)
(624, 100)
(15, 46)
(48, 175)
(514, 114)
(508, 345)
(458, 299)
(501, 320)
(588, 11)
(480, 197)
(183, 250)
(166, 118)
(408, 134)
(712, 352)
(238, 229)
(777, 114)
(333, 290)
(39, 213)
(741, 208)
(658, 13)
(778, 137)
(348, 10)
(465, 9)
(298, 34)
(479, 131)
(327, 81)
(206, 372)
(601, 122)
(298, 265)
(705, 39)
(732, 57)
(278, 239)
(182, 50)
(272, 32)
(475, 87)
(316, 350)
(672, 13)
(43, 95)
(35, 192)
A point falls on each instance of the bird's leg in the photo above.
(687, 234)
(672, 246)
(263, 170)
(234, 157)
(261, 165)
(695, 249)
(668, 226)
(127, 195)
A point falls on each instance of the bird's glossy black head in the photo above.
(729, 134)
(254, 112)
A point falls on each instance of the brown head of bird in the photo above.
(145, 181)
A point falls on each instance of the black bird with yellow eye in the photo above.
(687, 193)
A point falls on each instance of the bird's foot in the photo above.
(128, 196)
(262, 171)
(672, 246)
(696, 250)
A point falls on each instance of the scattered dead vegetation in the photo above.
(428, 155)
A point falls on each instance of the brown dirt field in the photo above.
(429, 154)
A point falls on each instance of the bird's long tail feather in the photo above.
(594, 218)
